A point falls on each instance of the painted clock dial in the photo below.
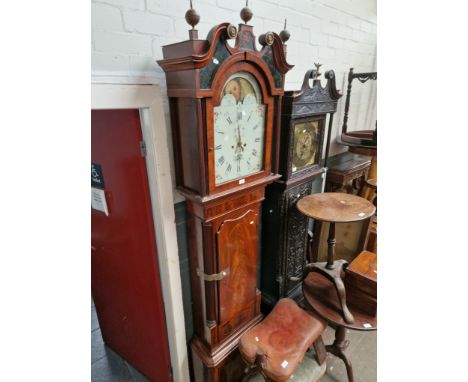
(305, 145)
(239, 129)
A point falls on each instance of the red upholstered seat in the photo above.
(283, 337)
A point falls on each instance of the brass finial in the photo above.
(284, 34)
(317, 70)
(267, 38)
(192, 17)
(246, 14)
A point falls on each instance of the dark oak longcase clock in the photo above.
(225, 103)
(302, 162)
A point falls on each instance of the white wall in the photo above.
(127, 36)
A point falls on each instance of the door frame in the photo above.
(155, 134)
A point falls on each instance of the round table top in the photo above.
(320, 294)
(336, 207)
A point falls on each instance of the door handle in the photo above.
(213, 277)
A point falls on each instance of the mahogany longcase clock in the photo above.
(225, 103)
(284, 242)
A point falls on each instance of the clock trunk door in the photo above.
(237, 241)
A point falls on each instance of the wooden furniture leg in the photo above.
(337, 349)
(334, 275)
(331, 247)
(320, 351)
(332, 270)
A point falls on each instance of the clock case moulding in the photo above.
(284, 229)
(223, 220)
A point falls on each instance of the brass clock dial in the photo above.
(305, 145)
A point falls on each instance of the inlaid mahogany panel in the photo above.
(237, 244)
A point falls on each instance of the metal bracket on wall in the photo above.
(213, 277)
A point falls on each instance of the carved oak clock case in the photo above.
(225, 102)
(302, 164)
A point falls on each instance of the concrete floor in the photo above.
(362, 352)
(107, 366)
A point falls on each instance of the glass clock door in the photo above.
(239, 129)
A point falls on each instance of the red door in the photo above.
(125, 277)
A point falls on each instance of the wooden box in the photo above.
(361, 300)
(361, 282)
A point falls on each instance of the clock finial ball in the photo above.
(284, 34)
(192, 17)
(246, 14)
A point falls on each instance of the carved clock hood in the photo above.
(203, 58)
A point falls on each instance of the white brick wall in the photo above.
(127, 36)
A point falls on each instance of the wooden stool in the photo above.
(278, 344)
(345, 170)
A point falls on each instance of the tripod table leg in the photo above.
(337, 349)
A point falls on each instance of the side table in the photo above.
(334, 207)
(320, 296)
(345, 170)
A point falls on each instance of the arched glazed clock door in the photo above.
(240, 126)
(239, 129)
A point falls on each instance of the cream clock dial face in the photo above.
(239, 129)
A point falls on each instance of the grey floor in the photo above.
(107, 366)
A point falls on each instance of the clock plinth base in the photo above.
(225, 364)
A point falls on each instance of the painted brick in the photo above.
(345, 31)
(106, 17)
(128, 4)
(274, 26)
(142, 64)
(108, 61)
(315, 25)
(125, 43)
(332, 14)
(143, 22)
(127, 36)
(304, 6)
(331, 27)
(300, 34)
(230, 4)
(326, 53)
(336, 42)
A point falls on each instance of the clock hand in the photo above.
(239, 140)
(302, 152)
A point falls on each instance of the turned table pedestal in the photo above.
(323, 287)
(334, 207)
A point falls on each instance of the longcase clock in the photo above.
(225, 103)
(302, 162)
